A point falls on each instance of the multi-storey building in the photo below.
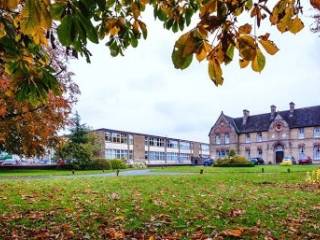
(271, 136)
(151, 149)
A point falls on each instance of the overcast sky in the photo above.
(143, 92)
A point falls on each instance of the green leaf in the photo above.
(175, 27)
(56, 10)
(91, 31)
(189, 13)
(66, 31)
(229, 53)
(134, 42)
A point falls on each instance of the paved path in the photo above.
(142, 172)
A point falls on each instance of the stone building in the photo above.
(271, 136)
(151, 149)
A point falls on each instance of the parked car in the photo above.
(288, 160)
(208, 162)
(257, 161)
(305, 160)
(9, 162)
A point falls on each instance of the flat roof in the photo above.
(149, 135)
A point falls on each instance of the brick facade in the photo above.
(270, 136)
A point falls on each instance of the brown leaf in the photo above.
(245, 29)
(237, 232)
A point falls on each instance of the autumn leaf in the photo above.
(205, 48)
(243, 63)
(258, 62)
(237, 232)
(247, 47)
(269, 46)
(215, 72)
(35, 20)
(296, 25)
(245, 29)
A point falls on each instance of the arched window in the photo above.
(301, 152)
(260, 152)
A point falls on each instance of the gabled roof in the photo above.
(302, 117)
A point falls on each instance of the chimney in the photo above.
(292, 105)
(273, 111)
(246, 114)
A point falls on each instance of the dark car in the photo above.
(257, 161)
(305, 160)
(207, 162)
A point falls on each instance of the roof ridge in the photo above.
(283, 111)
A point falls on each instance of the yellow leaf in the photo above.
(258, 62)
(269, 46)
(215, 72)
(35, 19)
(205, 48)
(247, 47)
(296, 25)
(243, 63)
(114, 31)
(9, 4)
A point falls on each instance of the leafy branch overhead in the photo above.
(29, 27)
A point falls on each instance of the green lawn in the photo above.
(35, 172)
(255, 169)
(194, 206)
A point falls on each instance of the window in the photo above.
(316, 152)
(184, 157)
(172, 144)
(146, 155)
(218, 140)
(226, 138)
(316, 132)
(259, 137)
(119, 138)
(222, 153)
(301, 152)
(248, 140)
(146, 140)
(130, 137)
(172, 156)
(205, 147)
(118, 154)
(248, 153)
(108, 137)
(157, 155)
(301, 133)
(260, 152)
(185, 145)
(159, 142)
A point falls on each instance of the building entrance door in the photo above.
(279, 152)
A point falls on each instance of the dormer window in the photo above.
(301, 133)
(248, 139)
(218, 139)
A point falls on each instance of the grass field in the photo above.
(230, 203)
(16, 173)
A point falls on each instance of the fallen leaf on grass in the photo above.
(237, 232)
(115, 196)
(236, 212)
